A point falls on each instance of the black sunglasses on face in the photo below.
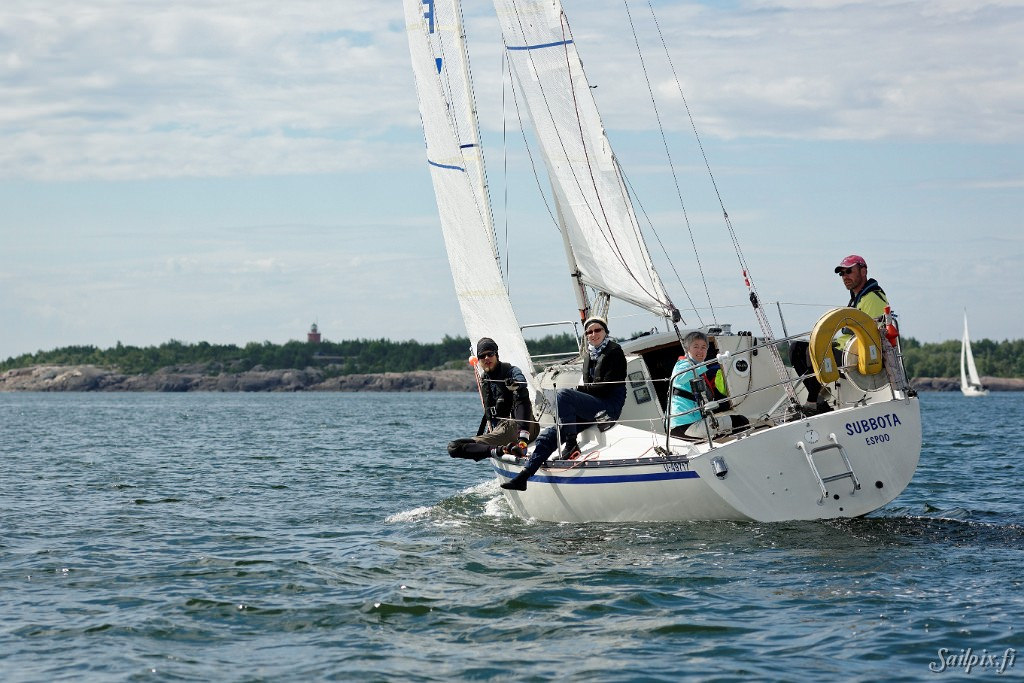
(845, 271)
(487, 354)
(594, 330)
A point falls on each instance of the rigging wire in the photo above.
(672, 265)
(504, 170)
(759, 313)
(478, 139)
(671, 164)
(526, 142)
(480, 194)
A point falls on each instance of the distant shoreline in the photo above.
(200, 378)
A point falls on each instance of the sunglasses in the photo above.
(845, 271)
(594, 330)
(487, 354)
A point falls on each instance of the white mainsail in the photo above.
(970, 382)
(444, 90)
(594, 207)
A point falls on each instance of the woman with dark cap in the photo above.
(603, 390)
(508, 414)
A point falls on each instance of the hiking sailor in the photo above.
(507, 425)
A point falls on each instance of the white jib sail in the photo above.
(441, 68)
(595, 208)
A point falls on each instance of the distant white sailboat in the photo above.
(970, 383)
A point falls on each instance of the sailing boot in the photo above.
(518, 482)
(472, 450)
(570, 449)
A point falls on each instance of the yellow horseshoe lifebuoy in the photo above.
(865, 331)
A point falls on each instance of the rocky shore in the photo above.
(201, 378)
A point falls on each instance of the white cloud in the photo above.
(113, 89)
(145, 89)
(824, 70)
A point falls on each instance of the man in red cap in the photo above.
(865, 295)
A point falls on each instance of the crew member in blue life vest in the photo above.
(865, 295)
(603, 389)
(685, 418)
(508, 424)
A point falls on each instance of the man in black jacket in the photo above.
(508, 414)
(603, 389)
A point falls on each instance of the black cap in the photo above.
(486, 344)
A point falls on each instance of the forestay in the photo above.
(593, 205)
(443, 87)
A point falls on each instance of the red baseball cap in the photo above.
(850, 261)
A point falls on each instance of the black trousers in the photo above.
(800, 357)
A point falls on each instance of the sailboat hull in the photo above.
(766, 476)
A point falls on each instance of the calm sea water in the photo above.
(329, 536)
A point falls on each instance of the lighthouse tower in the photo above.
(313, 337)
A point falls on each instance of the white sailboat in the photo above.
(787, 465)
(970, 383)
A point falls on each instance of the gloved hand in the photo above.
(511, 384)
(501, 407)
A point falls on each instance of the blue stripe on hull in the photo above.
(605, 479)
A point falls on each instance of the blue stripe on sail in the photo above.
(450, 168)
(467, 146)
(606, 479)
(539, 47)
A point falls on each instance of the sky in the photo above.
(233, 172)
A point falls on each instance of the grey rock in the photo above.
(205, 378)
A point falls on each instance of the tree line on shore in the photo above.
(942, 359)
(359, 356)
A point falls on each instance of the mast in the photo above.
(582, 300)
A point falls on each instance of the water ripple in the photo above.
(244, 537)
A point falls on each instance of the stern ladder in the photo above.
(817, 450)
